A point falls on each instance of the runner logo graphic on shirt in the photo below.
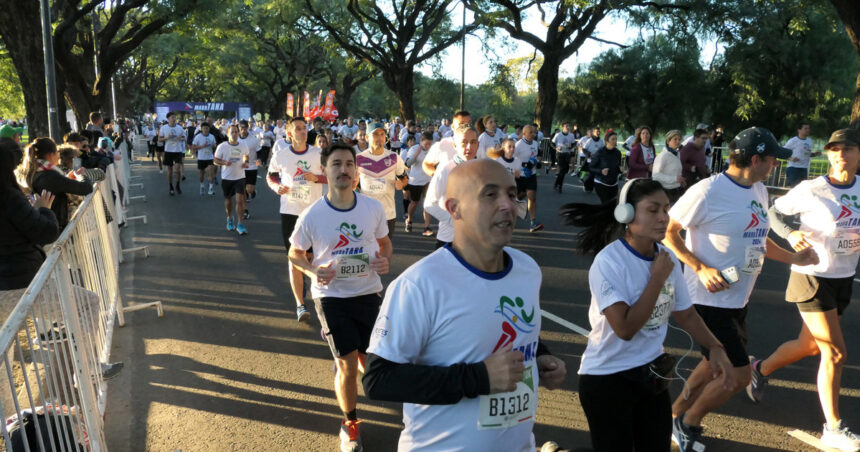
(516, 319)
(348, 235)
(759, 216)
(302, 167)
(757, 212)
(849, 206)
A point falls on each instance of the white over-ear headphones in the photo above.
(625, 212)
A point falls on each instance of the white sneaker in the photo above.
(839, 437)
(202, 189)
(211, 189)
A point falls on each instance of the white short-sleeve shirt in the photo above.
(208, 151)
(291, 167)
(727, 226)
(344, 238)
(377, 174)
(832, 214)
(620, 274)
(442, 311)
(233, 153)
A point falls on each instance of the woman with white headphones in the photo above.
(635, 285)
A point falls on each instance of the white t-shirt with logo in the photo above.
(347, 239)
(800, 149)
(442, 311)
(291, 167)
(434, 201)
(150, 134)
(513, 165)
(620, 274)
(590, 145)
(349, 132)
(832, 214)
(726, 227)
(253, 144)
(233, 153)
(564, 142)
(525, 151)
(268, 138)
(417, 176)
(208, 141)
(377, 174)
(175, 137)
(487, 141)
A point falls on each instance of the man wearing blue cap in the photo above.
(725, 216)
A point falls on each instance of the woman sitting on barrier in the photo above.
(40, 171)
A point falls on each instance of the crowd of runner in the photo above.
(455, 337)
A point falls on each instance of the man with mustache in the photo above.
(349, 235)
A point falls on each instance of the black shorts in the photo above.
(348, 322)
(250, 177)
(288, 225)
(203, 164)
(172, 157)
(159, 149)
(233, 187)
(527, 183)
(817, 294)
(730, 328)
(263, 153)
(416, 192)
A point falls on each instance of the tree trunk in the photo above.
(547, 78)
(402, 82)
(21, 31)
(849, 12)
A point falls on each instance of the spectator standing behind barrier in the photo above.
(668, 169)
(24, 228)
(636, 284)
(40, 171)
(693, 163)
(797, 170)
(606, 167)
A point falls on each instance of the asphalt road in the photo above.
(229, 368)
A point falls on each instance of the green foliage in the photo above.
(11, 96)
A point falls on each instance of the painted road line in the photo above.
(571, 326)
(811, 440)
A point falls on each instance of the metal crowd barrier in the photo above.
(58, 335)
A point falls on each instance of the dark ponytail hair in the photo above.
(601, 227)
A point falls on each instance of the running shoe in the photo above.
(202, 189)
(240, 228)
(178, 190)
(161, 171)
(212, 189)
(302, 313)
(171, 190)
(755, 390)
(408, 226)
(230, 226)
(246, 215)
(686, 436)
(839, 437)
(427, 232)
(350, 437)
(535, 226)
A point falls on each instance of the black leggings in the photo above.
(563, 167)
(605, 192)
(624, 416)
